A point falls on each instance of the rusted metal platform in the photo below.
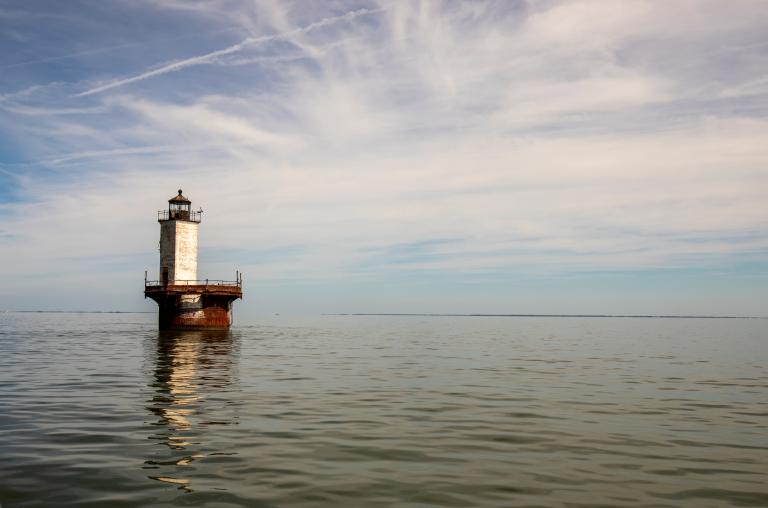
(196, 289)
(205, 304)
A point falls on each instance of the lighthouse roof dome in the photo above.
(179, 198)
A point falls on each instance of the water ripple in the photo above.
(102, 410)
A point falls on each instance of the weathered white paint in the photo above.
(193, 314)
(190, 302)
(178, 250)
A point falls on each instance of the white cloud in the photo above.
(540, 140)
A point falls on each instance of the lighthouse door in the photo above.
(165, 276)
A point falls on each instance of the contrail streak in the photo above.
(208, 57)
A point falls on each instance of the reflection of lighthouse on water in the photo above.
(189, 369)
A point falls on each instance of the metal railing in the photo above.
(201, 282)
(163, 215)
(198, 282)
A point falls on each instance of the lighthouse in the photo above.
(184, 301)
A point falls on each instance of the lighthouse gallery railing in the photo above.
(163, 215)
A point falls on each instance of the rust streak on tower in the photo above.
(185, 301)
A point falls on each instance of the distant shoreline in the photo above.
(645, 316)
(403, 314)
(80, 311)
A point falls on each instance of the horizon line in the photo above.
(425, 314)
(646, 316)
(81, 311)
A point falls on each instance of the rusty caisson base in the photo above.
(194, 307)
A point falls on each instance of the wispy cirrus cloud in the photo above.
(412, 145)
(213, 55)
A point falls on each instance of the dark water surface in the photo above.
(102, 410)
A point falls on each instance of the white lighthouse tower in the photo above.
(178, 242)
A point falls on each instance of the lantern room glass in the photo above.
(179, 210)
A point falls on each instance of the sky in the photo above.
(513, 156)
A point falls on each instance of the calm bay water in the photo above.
(103, 410)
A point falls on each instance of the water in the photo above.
(102, 410)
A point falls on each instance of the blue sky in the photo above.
(390, 156)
